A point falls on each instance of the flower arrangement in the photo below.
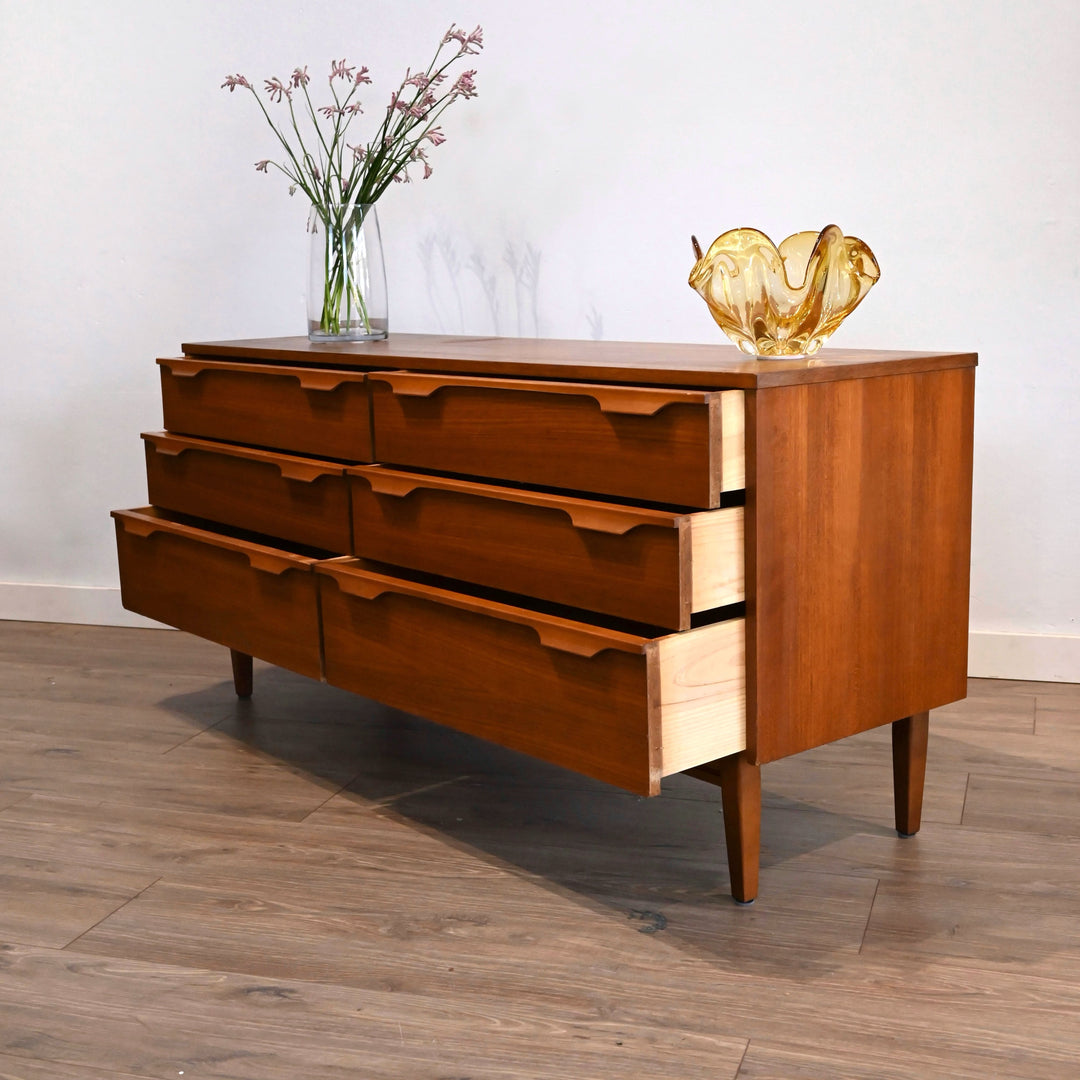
(343, 181)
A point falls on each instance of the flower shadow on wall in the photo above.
(481, 293)
(506, 291)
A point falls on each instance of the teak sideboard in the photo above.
(631, 560)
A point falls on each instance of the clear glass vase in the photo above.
(347, 282)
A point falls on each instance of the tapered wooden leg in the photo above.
(740, 790)
(740, 793)
(909, 738)
(241, 673)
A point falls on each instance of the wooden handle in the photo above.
(624, 400)
(560, 635)
(324, 381)
(262, 559)
(363, 587)
(392, 483)
(565, 639)
(184, 369)
(162, 444)
(593, 517)
(313, 379)
(301, 471)
(612, 522)
(138, 526)
(268, 563)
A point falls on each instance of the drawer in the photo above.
(299, 410)
(258, 600)
(671, 446)
(618, 707)
(651, 566)
(302, 500)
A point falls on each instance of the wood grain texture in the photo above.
(909, 741)
(294, 499)
(713, 366)
(231, 592)
(702, 694)
(493, 678)
(325, 413)
(858, 539)
(520, 920)
(560, 440)
(717, 559)
(603, 557)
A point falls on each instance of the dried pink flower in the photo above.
(435, 136)
(469, 43)
(339, 70)
(361, 77)
(474, 42)
(277, 89)
(330, 111)
(464, 85)
(354, 108)
(300, 77)
(261, 166)
(421, 81)
(427, 170)
(233, 81)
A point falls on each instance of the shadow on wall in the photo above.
(507, 290)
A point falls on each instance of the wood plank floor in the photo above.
(309, 885)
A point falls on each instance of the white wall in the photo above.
(945, 135)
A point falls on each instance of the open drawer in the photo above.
(651, 566)
(622, 708)
(258, 600)
(653, 444)
(303, 500)
(315, 411)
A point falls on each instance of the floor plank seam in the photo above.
(963, 805)
(389, 800)
(333, 795)
(121, 907)
(738, 1068)
(869, 916)
(196, 734)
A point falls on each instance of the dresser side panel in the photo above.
(858, 553)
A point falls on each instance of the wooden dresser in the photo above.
(631, 560)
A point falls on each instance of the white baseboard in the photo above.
(1035, 657)
(1031, 657)
(86, 604)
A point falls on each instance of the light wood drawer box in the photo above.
(651, 566)
(258, 600)
(621, 708)
(303, 500)
(313, 411)
(661, 445)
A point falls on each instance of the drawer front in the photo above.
(650, 566)
(297, 499)
(298, 410)
(258, 600)
(623, 709)
(679, 447)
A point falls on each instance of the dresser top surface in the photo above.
(703, 366)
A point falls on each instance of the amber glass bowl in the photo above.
(783, 301)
